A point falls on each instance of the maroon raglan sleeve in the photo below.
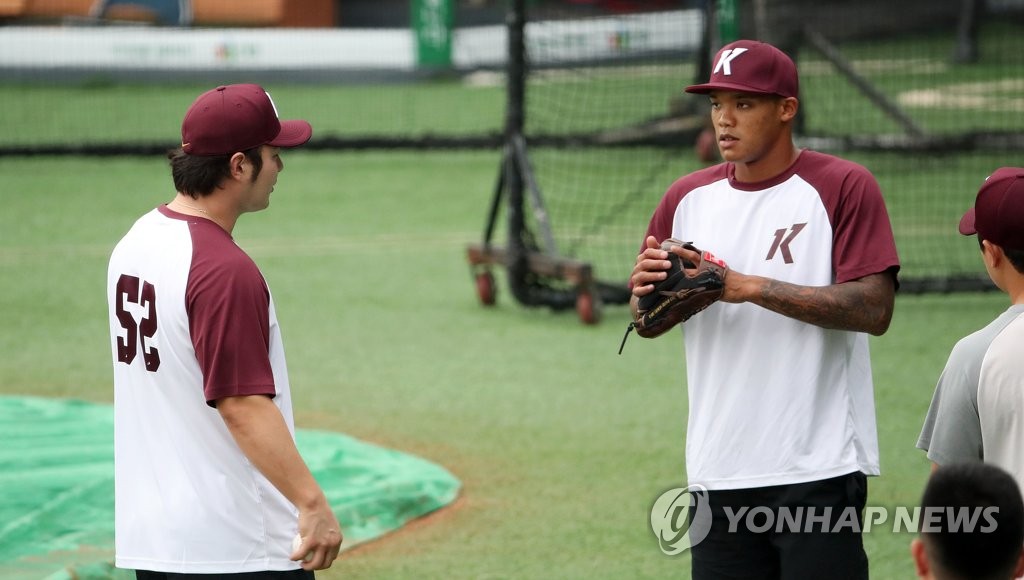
(228, 305)
(862, 237)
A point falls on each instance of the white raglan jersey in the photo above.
(772, 400)
(191, 321)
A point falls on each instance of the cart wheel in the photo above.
(588, 308)
(485, 289)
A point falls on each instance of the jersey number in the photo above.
(136, 334)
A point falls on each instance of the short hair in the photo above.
(199, 175)
(983, 551)
(1016, 257)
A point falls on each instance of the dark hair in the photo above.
(199, 175)
(1016, 257)
(984, 550)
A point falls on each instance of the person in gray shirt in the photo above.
(981, 388)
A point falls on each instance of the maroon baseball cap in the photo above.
(998, 212)
(235, 118)
(750, 66)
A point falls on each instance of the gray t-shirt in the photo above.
(952, 429)
(1001, 400)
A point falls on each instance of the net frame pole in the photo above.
(492, 214)
(517, 254)
(967, 50)
(540, 212)
(530, 268)
(515, 103)
(515, 141)
(515, 112)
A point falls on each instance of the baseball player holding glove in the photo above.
(781, 404)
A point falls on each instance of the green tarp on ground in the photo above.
(57, 487)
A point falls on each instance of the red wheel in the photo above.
(485, 289)
(587, 308)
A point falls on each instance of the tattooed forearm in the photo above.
(863, 305)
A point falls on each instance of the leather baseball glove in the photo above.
(680, 295)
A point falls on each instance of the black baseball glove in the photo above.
(681, 294)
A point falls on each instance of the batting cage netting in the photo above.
(585, 99)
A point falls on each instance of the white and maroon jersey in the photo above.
(772, 400)
(191, 321)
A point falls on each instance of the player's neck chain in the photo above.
(192, 207)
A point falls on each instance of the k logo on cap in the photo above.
(725, 59)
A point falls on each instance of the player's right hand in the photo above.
(650, 267)
(321, 537)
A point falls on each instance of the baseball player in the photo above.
(781, 405)
(208, 480)
(974, 414)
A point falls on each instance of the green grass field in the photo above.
(562, 445)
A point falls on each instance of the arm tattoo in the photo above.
(863, 305)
